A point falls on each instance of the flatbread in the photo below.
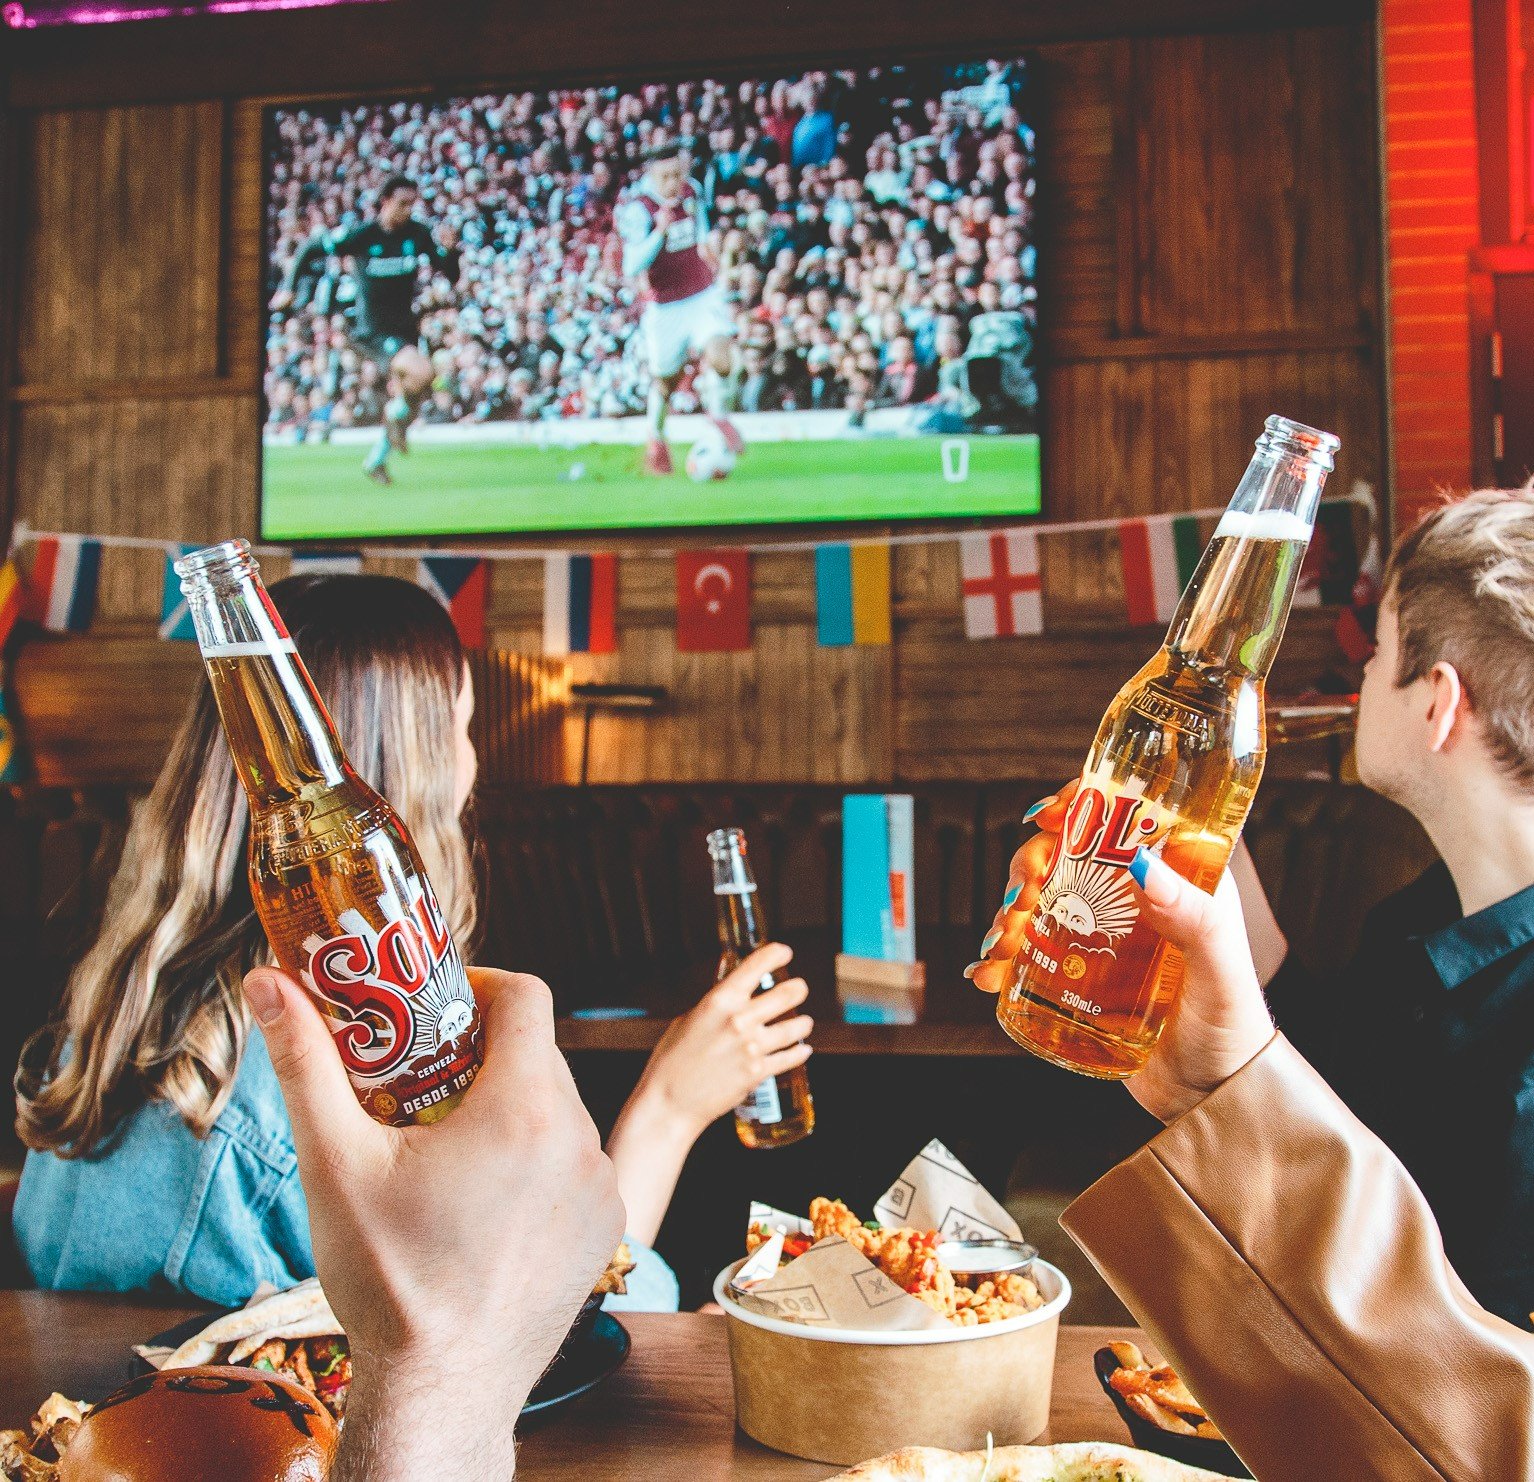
(272, 1315)
(1079, 1461)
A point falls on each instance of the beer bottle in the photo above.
(335, 878)
(1174, 767)
(781, 1109)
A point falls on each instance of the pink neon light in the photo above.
(29, 13)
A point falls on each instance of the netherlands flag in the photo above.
(61, 593)
(580, 604)
(461, 584)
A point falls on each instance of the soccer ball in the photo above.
(709, 457)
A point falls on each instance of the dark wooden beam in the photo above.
(440, 43)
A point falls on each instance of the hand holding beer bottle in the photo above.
(1173, 769)
(1220, 1020)
(334, 876)
(780, 1109)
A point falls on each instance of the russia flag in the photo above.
(580, 603)
(61, 592)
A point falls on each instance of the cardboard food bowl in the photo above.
(840, 1395)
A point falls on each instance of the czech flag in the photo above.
(462, 585)
(61, 593)
(10, 599)
(1158, 557)
(580, 603)
(852, 594)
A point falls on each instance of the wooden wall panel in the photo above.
(1235, 169)
(122, 237)
(1208, 208)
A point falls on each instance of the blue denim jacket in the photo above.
(158, 1208)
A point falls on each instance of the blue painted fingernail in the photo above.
(1010, 896)
(1037, 809)
(1139, 866)
(991, 938)
(969, 972)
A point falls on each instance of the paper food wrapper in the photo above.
(937, 1192)
(299, 1312)
(834, 1285)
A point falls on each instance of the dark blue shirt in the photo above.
(1428, 1035)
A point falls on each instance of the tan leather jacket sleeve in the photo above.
(1290, 1270)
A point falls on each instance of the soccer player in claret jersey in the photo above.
(386, 255)
(664, 230)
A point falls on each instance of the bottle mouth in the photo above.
(722, 842)
(1281, 434)
(229, 560)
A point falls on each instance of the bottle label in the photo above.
(765, 1106)
(398, 997)
(1087, 905)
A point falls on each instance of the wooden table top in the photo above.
(667, 1413)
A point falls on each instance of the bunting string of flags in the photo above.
(1000, 577)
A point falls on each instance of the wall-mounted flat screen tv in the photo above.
(799, 296)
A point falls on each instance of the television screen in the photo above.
(794, 297)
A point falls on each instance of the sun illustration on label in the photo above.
(1084, 899)
(454, 1019)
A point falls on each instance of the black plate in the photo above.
(1193, 1451)
(597, 1345)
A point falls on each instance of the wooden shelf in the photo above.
(958, 1020)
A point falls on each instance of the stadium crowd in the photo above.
(863, 223)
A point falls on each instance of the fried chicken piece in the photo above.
(612, 1281)
(270, 1355)
(831, 1217)
(1158, 1395)
(296, 1367)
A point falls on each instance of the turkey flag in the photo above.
(713, 601)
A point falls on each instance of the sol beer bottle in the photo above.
(1175, 764)
(781, 1109)
(334, 876)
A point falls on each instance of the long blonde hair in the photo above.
(154, 1011)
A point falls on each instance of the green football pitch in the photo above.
(315, 491)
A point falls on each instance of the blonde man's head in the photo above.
(1461, 588)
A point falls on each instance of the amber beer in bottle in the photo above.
(335, 878)
(1175, 764)
(781, 1109)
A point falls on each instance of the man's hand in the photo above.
(454, 1255)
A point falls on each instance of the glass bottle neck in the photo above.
(736, 898)
(280, 735)
(1233, 611)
